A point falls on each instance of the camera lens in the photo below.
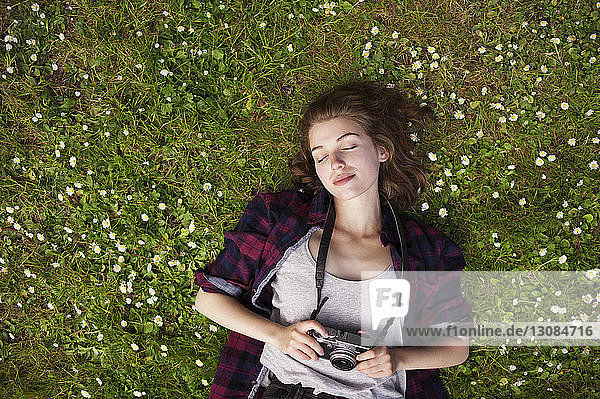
(343, 359)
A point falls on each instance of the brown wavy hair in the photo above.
(384, 114)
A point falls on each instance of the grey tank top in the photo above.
(294, 298)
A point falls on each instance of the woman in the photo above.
(355, 158)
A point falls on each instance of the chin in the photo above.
(344, 194)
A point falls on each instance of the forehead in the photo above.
(333, 128)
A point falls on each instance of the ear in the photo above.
(384, 154)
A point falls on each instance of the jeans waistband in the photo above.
(300, 392)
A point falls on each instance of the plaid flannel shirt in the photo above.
(244, 269)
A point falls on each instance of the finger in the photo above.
(301, 351)
(315, 325)
(378, 374)
(299, 355)
(371, 353)
(309, 351)
(314, 345)
(374, 366)
(362, 366)
(366, 355)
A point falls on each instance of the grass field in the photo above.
(133, 134)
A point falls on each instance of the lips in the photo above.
(341, 179)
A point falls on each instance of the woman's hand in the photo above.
(377, 362)
(293, 340)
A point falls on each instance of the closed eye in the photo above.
(347, 148)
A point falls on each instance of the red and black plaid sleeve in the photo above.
(236, 265)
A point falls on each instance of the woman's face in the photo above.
(341, 148)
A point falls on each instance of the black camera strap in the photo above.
(322, 256)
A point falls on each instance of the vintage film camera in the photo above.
(341, 347)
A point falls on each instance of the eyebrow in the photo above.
(338, 139)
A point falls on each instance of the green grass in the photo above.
(233, 126)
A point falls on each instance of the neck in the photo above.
(359, 218)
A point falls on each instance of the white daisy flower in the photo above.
(562, 259)
(592, 273)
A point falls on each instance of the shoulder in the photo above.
(281, 204)
(430, 242)
(283, 198)
(419, 230)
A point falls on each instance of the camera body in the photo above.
(341, 347)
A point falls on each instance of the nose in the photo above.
(337, 161)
